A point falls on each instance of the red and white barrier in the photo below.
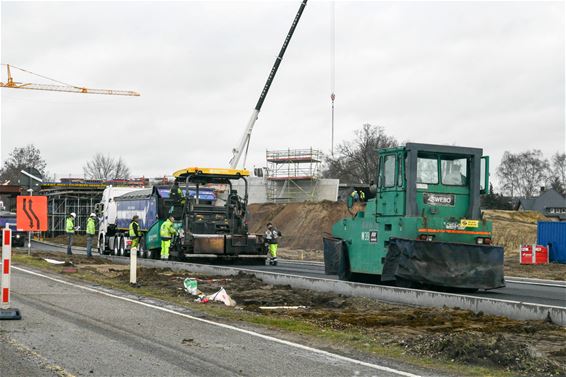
(5, 311)
(6, 261)
(533, 254)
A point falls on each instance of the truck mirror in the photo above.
(484, 174)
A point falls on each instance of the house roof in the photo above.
(548, 199)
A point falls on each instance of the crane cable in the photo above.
(332, 67)
(36, 74)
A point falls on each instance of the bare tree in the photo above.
(557, 176)
(523, 174)
(22, 158)
(106, 168)
(508, 173)
(121, 170)
(356, 161)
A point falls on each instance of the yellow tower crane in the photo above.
(59, 88)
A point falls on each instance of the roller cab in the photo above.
(424, 225)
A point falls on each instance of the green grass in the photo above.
(349, 339)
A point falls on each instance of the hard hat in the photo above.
(92, 215)
(73, 214)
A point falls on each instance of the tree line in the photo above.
(520, 174)
(100, 167)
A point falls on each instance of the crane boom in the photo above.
(61, 88)
(245, 140)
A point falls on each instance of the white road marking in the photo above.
(229, 327)
(534, 283)
(42, 361)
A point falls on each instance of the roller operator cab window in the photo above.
(454, 172)
(389, 171)
(427, 170)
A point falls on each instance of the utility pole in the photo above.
(332, 67)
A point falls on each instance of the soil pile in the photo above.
(512, 228)
(302, 224)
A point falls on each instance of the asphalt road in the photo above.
(531, 291)
(71, 330)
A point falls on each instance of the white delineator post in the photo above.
(6, 261)
(133, 265)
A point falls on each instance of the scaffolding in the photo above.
(292, 175)
(64, 198)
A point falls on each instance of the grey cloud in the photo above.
(481, 74)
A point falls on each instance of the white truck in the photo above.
(109, 236)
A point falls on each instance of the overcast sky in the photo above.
(478, 74)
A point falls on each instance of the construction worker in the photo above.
(355, 196)
(362, 196)
(176, 195)
(70, 230)
(271, 238)
(90, 232)
(135, 234)
(167, 231)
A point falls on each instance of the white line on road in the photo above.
(230, 327)
(534, 283)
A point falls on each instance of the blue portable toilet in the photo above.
(553, 234)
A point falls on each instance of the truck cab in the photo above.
(436, 189)
(18, 236)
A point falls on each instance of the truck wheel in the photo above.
(122, 246)
(141, 248)
(116, 246)
(101, 246)
(344, 272)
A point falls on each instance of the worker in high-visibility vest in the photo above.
(70, 231)
(135, 234)
(176, 195)
(167, 231)
(90, 232)
(271, 238)
(355, 196)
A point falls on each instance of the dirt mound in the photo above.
(302, 224)
(512, 228)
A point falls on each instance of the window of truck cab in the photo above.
(427, 169)
(454, 171)
(389, 165)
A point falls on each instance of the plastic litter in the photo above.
(222, 296)
(53, 261)
(202, 299)
(191, 286)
